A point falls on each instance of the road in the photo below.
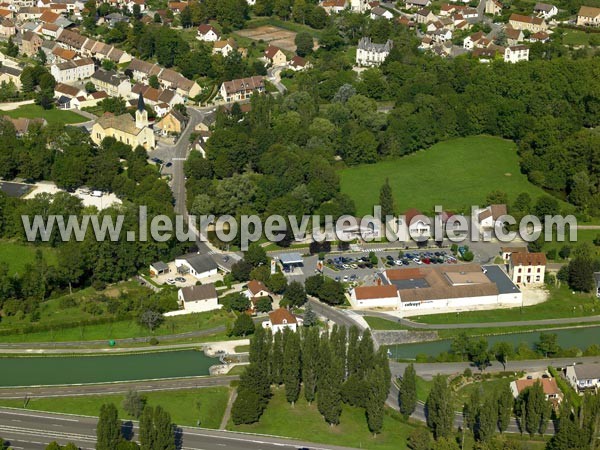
(449, 326)
(333, 314)
(115, 388)
(34, 430)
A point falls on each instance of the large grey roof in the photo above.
(366, 44)
(291, 258)
(201, 292)
(200, 263)
(587, 371)
(503, 282)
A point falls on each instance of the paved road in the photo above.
(115, 388)
(335, 315)
(34, 430)
(448, 326)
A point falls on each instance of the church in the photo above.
(125, 129)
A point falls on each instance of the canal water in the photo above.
(567, 338)
(50, 370)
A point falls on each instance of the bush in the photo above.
(67, 302)
(153, 341)
(99, 285)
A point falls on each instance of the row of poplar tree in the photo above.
(331, 368)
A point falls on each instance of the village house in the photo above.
(413, 4)
(516, 53)
(487, 54)
(583, 377)
(71, 41)
(513, 36)
(280, 319)
(63, 55)
(413, 225)
(507, 251)
(241, 89)
(493, 7)
(297, 63)
(68, 91)
(257, 289)
(274, 56)
(113, 83)
(540, 36)
(29, 43)
(10, 74)
(200, 266)
(527, 268)
(545, 10)
(551, 391)
(7, 28)
(173, 122)
(155, 97)
(75, 70)
(186, 88)
(142, 70)
(381, 13)
(50, 30)
(487, 217)
(425, 15)
(195, 299)
(588, 16)
(359, 6)
(207, 33)
(533, 24)
(476, 40)
(224, 47)
(369, 54)
(125, 129)
(333, 6)
(28, 13)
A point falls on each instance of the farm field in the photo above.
(454, 174)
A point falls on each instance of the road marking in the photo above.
(38, 416)
(178, 159)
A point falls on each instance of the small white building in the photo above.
(414, 225)
(256, 289)
(280, 319)
(201, 298)
(382, 296)
(516, 53)
(545, 10)
(207, 33)
(369, 54)
(381, 13)
(200, 266)
(493, 7)
(488, 216)
(583, 377)
(409, 4)
(527, 268)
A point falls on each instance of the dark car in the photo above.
(169, 164)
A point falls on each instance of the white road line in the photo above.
(11, 413)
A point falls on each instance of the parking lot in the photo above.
(355, 267)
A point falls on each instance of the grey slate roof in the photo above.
(366, 44)
(200, 263)
(197, 293)
(587, 371)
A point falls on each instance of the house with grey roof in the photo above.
(583, 377)
(200, 266)
(198, 298)
(369, 54)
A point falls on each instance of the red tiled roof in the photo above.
(528, 259)
(282, 316)
(375, 292)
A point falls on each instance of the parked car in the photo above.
(417, 260)
(171, 281)
(180, 279)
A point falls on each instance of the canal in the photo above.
(50, 370)
(567, 338)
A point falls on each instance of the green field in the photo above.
(52, 116)
(18, 255)
(576, 37)
(377, 323)
(182, 405)
(561, 303)
(305, 422)
(122, 329)
(582, 236)
(455, 174)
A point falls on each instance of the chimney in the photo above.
(378, 281)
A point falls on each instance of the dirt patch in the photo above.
(273, 35)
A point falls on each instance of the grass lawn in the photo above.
(18, 255)
(486, 387)
(423, 388)
(582, 236)
(377, 323)
(182, 405)
(576, 37)
(242, 349)
(562, 303)
(51, 115)
(455, 174)
(123, 329)
(305, 422)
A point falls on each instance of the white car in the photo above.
(346, 266)
(417, 260)
(346, 278)
(171, 281)
(354, 266)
